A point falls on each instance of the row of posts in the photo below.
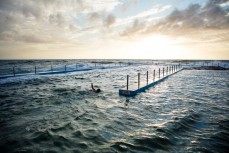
(167, 70)
(35, 69)
(120, 64)
(65, 68)
(51, 68)
(208, 64)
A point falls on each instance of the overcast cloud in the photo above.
(212, 15)
(51, 18)
(45, 19)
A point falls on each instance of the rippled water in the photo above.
(188, 112)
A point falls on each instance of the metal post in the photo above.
(35, 70)
(138, 80)
(13, 71)
(127, 82)
(51, 68)
(65, 68)
(153, 75)
(163, 72)
(147, 77)
(159, 73)
(76, 66)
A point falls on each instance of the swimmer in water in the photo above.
(93, 89)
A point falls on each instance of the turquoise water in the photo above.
(188, 112)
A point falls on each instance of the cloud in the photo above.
(128, 4)
(195, 16)
(154, 10)
(57, 19)
(30, 38)
(50, 21)
(102, 5)
(224, 4)
(109, 20)
(25, 8)
(94, 17)
(61, 20)
(208, 22)
(144, 16)
(6, 36)
(136, 27)
(217, 2)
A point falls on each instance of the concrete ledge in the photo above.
(130, 93)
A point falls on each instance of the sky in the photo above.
(114, 29)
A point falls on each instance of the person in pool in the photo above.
(93, 89)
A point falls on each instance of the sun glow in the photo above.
(157, 46)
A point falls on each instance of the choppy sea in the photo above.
(188, 112)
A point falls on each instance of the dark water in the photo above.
(188, 112)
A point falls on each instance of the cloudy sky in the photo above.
(114, 29)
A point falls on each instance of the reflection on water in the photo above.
(188, 112)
